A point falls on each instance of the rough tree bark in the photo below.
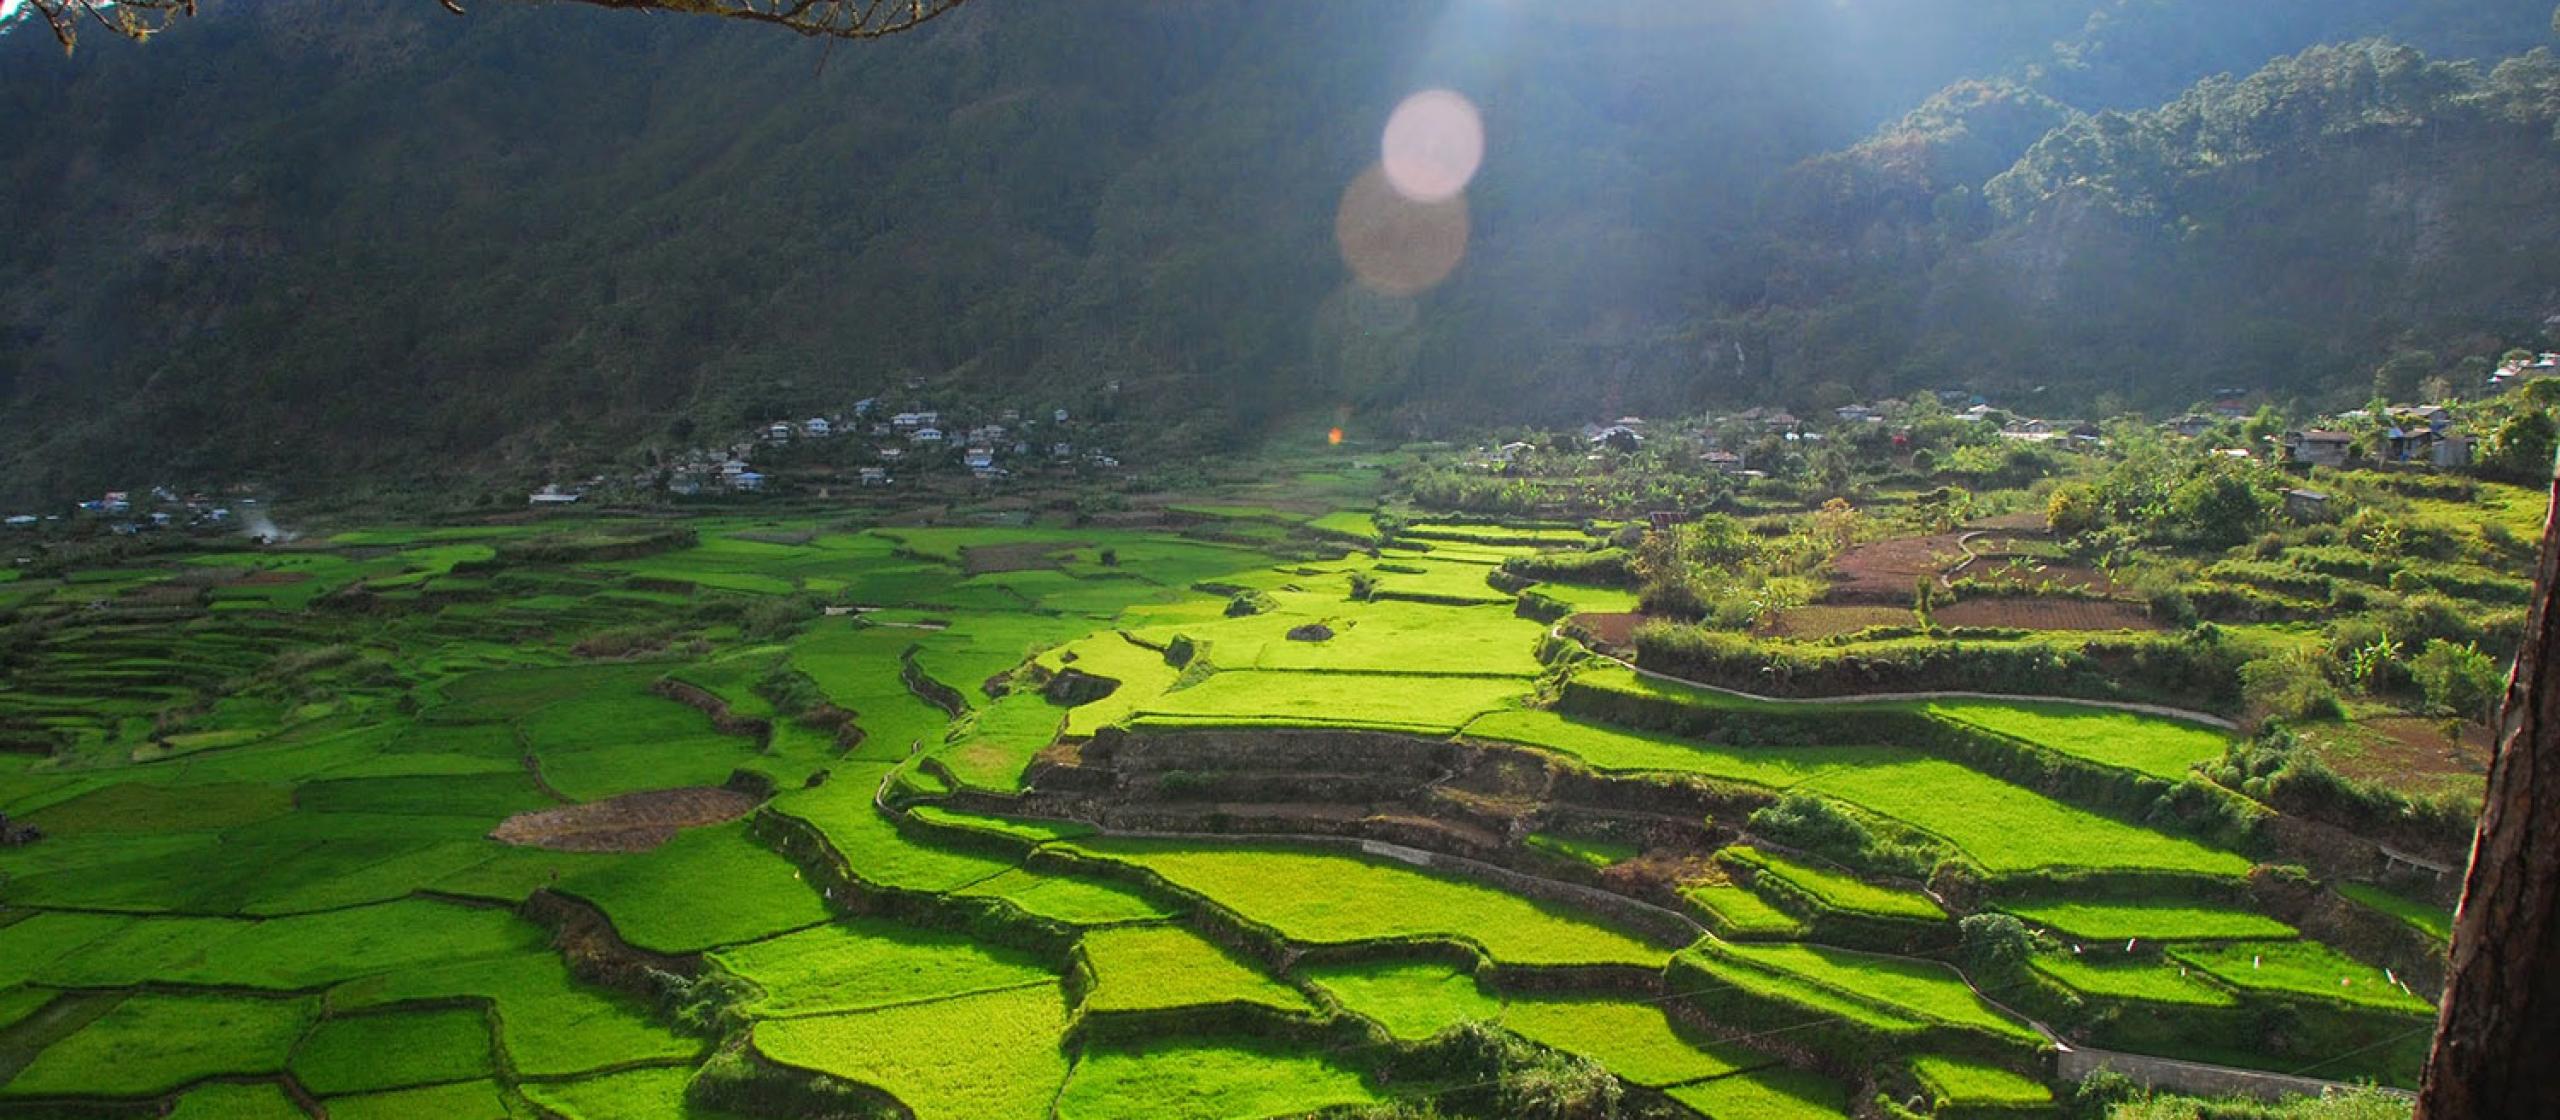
(2500, 1024)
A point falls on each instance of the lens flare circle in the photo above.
(1395, 245)
(1433, 144)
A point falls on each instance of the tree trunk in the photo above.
(2500, 1025)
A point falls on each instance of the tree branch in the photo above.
(840, 19)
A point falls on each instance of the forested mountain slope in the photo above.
(318, 240)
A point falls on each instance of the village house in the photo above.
(552, 495)
(925, 435)
(978, 458)
(1857, 414)
(2319, 447)
(778, 432)
(2191, 425)
(2306, 505)
(746, 482)
(817, 427)
(875, 476)
(1726, 462)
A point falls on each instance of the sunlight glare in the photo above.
(1433, 144)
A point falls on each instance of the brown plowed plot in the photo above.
(266, 577)
(633, 822)
(2025, 523)
(2404, 753)
(2046, 614)
(1998, 570)
(978, 559)
(1810, 623)
(1611, 629)
(1889, 571)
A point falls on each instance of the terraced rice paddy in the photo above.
(270, 862)
(1323, 898)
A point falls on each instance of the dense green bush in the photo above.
(2191, 671)
(1608, 567)
(1817, 824)
(2457, 679)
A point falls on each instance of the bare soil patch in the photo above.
(267, 577)
(633, 822)
(2046, 614)
(1611, 629)
(2406, 753)
(1887, 572)
(1816, 622)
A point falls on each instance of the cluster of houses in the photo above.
(1723, 441)
(2517, 371)
(2418, 434)
(124, 512)
(892, 441)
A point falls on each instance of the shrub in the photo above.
(2458, 679)
(2290, 686)
(772, 619)
(2075, 508)
(1249, 603)
(1995, 947)
(1610, 567)
(1817, 824)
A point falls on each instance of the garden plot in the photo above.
(1450, 581)
(1313, 897)
(1741, 914)
(2434, 921)
(256, 1100)
(1903, 987)
(997, 745)
(856, 667)
(466, 1100)
(394, 1050)
(150, 1044)
(1965, 1083)
(706, 887)
(290, 953)
(1421, 704)
(1141, 672)
(1635, 1040)
(860, 964)
(2301, 968)
(640, 1094)
(1411, 1001)
(1062, 898)
(1374, 637)
(2148, 920)
(2162, 748)
(622, 739)
(993, 1056)
(874, 850)
(1208, 1079)
(549, 1024)
(1604, 747)
(1839, 890)
(1155, 968)
(1772, 1094)
(2010, 829)
(2106, 972)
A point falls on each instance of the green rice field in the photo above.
(799, 808)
